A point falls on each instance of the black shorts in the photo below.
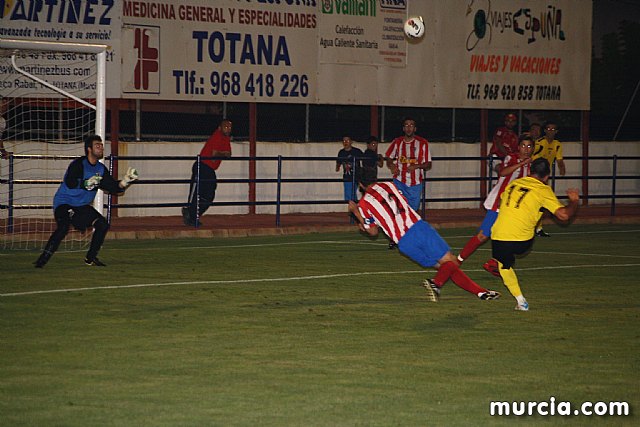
(81, 217)
(506, 251)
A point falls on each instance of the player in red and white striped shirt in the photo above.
(512, 167)
(384, 206)
(408, 158)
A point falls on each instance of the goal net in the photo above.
(52, 95)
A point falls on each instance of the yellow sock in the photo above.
(510, 280)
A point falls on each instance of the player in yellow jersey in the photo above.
(548, 147)
(520, 209)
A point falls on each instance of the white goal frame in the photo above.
(101, 84)
(11, 49)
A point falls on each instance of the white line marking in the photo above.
(341, 242)
(535, 251)
(586, 254)
(559, 233)
(284, 279)
(261, 245)
(258, 245)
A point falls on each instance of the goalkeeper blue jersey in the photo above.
(71, 191)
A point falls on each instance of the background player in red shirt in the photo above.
(218, 145)
(383, 206)
(505, 139)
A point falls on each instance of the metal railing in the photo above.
(278, 202)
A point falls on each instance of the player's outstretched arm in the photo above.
(372, 230)
(216, 153)
(565, 213)
(497, 141)
(504, 171)
(562, 167)
(129, 177)
(391, 164)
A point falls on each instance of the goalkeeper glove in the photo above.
(129, 177)
(93, 182)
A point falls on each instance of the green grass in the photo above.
(315, 330)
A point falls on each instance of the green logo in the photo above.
(350, 7)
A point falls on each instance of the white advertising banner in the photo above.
(514, 54)
(70, 21)
(220, 50)
(362, 33)
(520, 54)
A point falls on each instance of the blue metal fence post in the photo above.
(10, 213)
(197, 195)
(278, 191)
(613, 185)
(354, 186)
(109, 194)
(490, 162)
(423, 202)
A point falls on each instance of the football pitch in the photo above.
(316, 330)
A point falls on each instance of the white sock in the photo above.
(520, 299)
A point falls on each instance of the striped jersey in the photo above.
(385, 206)
(406, 153)
(492, 202)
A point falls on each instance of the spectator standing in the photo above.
(370, 164)
(72, 202)
(535, 131)
(520, 210)
(201, 195)
(349, 160)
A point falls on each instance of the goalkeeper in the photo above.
(72, 202)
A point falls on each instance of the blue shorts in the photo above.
(423, 244)
(412, 193)
(349, 194)
(487, 222)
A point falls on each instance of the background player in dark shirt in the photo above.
(370, 164)
(349, 160)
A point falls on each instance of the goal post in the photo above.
(52, 94)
